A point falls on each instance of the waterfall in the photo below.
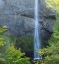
(36, 33)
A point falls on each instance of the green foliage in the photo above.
(51, 52)
(53, 4)
(14, 56)
(2, 60)
(3, 29)
(2, 42)
(25, 43)
(44, 43)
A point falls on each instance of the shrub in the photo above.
(51, 52)
(14, 56)
(2, 43)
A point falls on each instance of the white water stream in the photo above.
(36, 33)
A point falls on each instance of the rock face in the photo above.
(18, 16)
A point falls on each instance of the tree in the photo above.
(10, 55)
(54, 6)
(51, 52)
(2, 42)
(14, 56)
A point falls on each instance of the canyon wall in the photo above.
(18, 16)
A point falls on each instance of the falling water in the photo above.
(36, 33)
